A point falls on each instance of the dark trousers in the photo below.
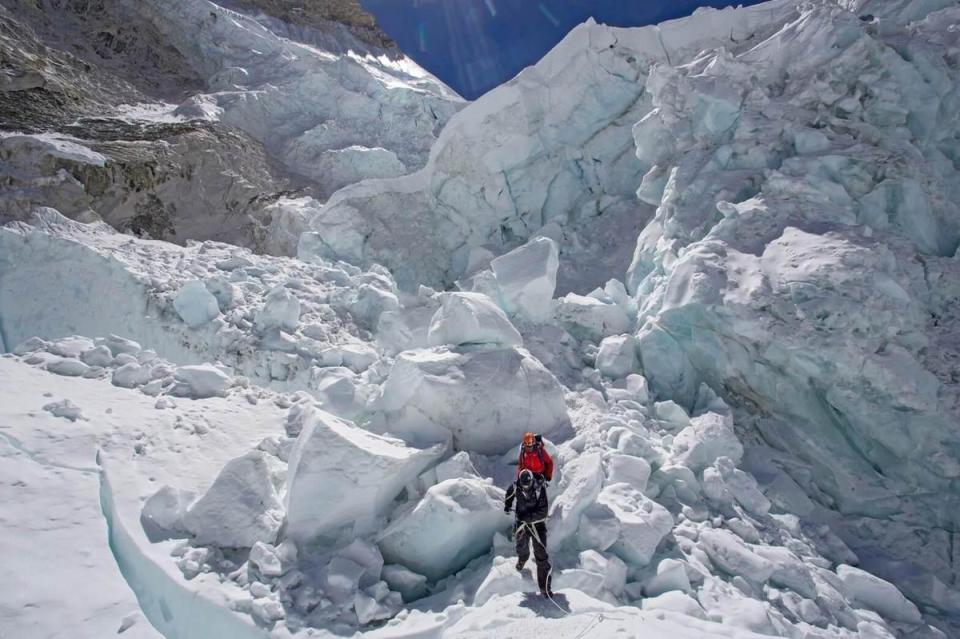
(524, 538)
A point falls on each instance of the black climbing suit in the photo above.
(530, 527)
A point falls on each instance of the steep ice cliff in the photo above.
(801, 160)
(549, 151)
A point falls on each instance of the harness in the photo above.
(531, 527)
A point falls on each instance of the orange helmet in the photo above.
(529, 439)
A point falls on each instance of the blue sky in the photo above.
(474, 45)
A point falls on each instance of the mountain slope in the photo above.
(204, 117)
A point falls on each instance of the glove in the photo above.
(506, 509)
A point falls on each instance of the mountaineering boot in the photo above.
(520, 563)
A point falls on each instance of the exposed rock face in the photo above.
(89, 94)
(319, 13)
(159, 178)
(170, 181)
(106, 42)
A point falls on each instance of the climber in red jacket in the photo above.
(535, 458)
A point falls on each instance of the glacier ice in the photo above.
(409, 584)
(281, 310)
(708, 437)
(366, 555)
(575, 492)
(501, 171)
(671, 575)
(340, 475)
(617, 356)
(734, 556)
(199, 381)
(195, 304)
(627, 469)
(590, 318)
(614, 571)
(457, 466)
(478, 400)
(266, 558)
(471, 318)
(452, 524)
(241, 508)
(790, 306)
(165, 509)
(804, 284)
(643, 522)
(877, 594)
(526, 278)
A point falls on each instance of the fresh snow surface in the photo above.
(753, 421)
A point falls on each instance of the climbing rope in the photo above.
(590, 624)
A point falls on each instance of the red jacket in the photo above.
(537, 461)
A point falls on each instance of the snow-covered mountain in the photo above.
(713, 262)
(203, 120)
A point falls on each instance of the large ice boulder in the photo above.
(789, 570)
(281, 310)
(376, 603)
(480, 400)
(411, 585)
(617, 356)
(242, 506)
(735, 557)
(627, 469)
(589, 318)
(199, 381)
(163, 512)
(577, 490)
(877, 594)
(407, 327)
(527, 277)
(723, 483)
(612, 568)
(708, 437)
(341, 475)
(671, 575)
(471, 318)
(643, 523)
(364, 553)
(454, 522)
(195, 305)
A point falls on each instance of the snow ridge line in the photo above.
(176, 611)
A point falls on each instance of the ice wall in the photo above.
(807, 220)
(549, 148)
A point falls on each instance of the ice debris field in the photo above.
(713, 262)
